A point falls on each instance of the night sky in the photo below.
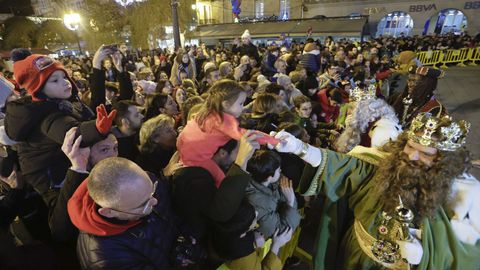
(18, 7)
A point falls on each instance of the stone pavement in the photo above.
(459, 91)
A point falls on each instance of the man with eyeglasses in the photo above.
(124, 218)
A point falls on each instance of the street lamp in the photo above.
(72, 22)
(176, 29)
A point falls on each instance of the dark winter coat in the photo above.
(40, 127)
(127, 145)
(250, 50)
(268, 65)
(155, 162)
(197, 201)
(310, 62)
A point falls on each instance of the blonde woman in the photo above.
(157, 143)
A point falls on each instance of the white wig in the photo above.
(364, 113)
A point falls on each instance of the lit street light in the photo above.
(72, 22)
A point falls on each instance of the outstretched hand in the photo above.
(14, 181)
(99, 55)
(71, 147)
(104, 120)
(288, 143)
(248, 145)
(280, 239)
(286, 187)
(117, 58)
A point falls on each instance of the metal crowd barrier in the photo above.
(458, 57)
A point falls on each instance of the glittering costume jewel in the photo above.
(407, 101)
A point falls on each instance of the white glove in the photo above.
(288, 143)
(412, 251)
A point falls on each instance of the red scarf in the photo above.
(83, 213)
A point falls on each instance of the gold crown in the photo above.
(359, 94)
(441, 133)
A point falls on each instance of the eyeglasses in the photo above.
(146, 205)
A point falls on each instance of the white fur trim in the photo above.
(466, 221)
(384, 130)
(465, 231)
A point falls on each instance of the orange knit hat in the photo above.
(32, 72)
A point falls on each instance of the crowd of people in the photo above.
(195, 158)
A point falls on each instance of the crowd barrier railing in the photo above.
(460, 57)
(475, 55)
(430, 58)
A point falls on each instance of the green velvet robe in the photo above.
(346, 184)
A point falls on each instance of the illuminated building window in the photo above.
(259, 8)
(284, 9)
(395, 24)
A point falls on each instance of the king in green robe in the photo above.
(358, 229)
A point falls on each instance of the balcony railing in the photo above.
(208, 21)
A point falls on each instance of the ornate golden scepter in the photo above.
(405, 217)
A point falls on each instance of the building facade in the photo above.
(220, 11)
(404, 16)
(394, 17)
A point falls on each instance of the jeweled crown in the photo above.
(441, 133)
(359, 94)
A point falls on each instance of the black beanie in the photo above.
(19, 54)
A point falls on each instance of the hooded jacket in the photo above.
(141, 244)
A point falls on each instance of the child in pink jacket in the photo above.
(214, 125)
